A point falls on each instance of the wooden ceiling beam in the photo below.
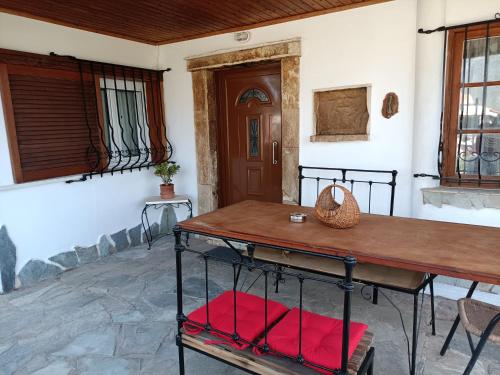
(277, 21)
(150, 22)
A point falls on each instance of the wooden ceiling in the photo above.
(168, 21)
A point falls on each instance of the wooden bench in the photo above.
(274, 365)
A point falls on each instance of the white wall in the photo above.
(49, 217)
(374, 45)
(432, 14)
(377, 45)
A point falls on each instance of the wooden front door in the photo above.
(249, 144)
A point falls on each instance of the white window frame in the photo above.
(141, 126)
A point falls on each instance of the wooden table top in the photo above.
(458, 250)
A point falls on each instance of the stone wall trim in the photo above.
(270, 51)
(8, 259)
(339, 138)
(462, 197)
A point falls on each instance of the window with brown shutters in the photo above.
(66, 116)
(471, 117)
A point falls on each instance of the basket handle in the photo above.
(328, 190)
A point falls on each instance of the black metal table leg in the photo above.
(433, 314)
(457, 320)
(278, 278)
(180, 314)
(147, 230)
(145, 219)
(348, 287)
(414, 343)
(375, 295)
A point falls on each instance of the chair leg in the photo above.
(375, 295)
(433, 313)
(366, 367)
(450, 336)
(474, 358)
(482, 341)
(455, 323)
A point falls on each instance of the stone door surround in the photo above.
(202, 69)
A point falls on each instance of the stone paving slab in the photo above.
(117, 316)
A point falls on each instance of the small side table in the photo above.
(158, 202)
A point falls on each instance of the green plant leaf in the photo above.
(166, 171)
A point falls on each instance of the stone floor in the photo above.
(117, 316)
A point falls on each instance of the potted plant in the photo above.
(166, 171)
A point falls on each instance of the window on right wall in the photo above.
(471, 116)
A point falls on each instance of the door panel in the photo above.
(249, 143)
(255, 181)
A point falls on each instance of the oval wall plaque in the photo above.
(391, 105)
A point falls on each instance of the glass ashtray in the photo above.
(297, 217)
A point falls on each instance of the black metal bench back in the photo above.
(239, 263)
(360, 182)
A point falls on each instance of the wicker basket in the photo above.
(335, 215)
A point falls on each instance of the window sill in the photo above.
(31, 184)
(462, 197)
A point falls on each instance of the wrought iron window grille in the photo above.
(127, 104)
(477, 157)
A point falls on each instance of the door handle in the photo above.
(275, 144)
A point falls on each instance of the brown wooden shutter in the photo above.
(51, 133)
(55, 116)
(155, 115)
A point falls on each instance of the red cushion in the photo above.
(321, 338)
(249, 314)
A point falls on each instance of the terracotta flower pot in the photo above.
(167, 191)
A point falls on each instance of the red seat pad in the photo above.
(250, 321)
(321, 338)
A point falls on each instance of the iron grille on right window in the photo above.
(471, 117)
